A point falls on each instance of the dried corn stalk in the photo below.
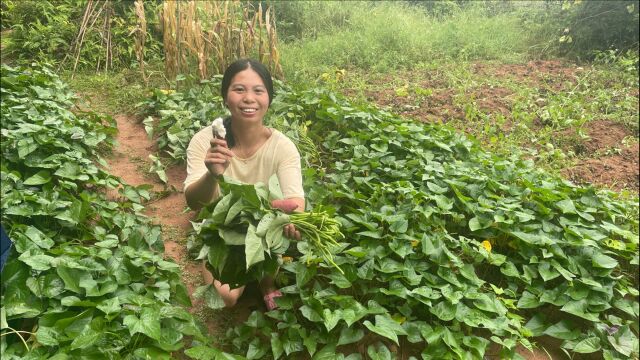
(169, 29)
(140, 35)
(210, 35)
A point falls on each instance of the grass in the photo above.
(390, 35)
(115, 92)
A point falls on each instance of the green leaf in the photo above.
(387, 327)
(202, 352)
(26, 147)
(399, 226)
(310, 313)
(74, 213)
(71, 171)
(148, 323)
(39, 238)
(580, 308)
(3, 319)
(566, 206)
(48, 336)
(110, 306)
(276, 345)
(528, 301)
(478, 344)
(624, 341)
(254, 250)
(350, 335)
(211, 296)
(274, 188)
(490, 303)
(588, 345)
(256, 349)
(232, 237)
(331, 318)
(221, 208)
(444, 310)
(40, 178)
(378, 351)
(328, 352)
(537, 325)
(602, 261)
(264, 224)
(86, 338)
(562, 330)
(304, 273)
(547, 271)
(36, 262)
(233, 211)
(533, 239)
(274, 237)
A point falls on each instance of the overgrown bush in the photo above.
(582, 29)
(383, 36)
(48, 31)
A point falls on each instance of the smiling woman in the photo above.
(249, 152)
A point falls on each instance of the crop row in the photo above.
(448, 248)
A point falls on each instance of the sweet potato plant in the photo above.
(449, 247)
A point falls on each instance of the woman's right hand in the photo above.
(217, 158)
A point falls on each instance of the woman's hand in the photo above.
(217, 158)
(288, 205)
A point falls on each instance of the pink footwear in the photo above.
(268, 299)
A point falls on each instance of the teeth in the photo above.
(249, 110)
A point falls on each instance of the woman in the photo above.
(250, 153)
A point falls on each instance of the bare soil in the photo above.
(608, 157)
(167, 208)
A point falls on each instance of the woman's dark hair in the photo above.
(244, 64)
(236, 67)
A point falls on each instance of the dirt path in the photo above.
(130, 161)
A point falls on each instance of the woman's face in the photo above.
(247, 97)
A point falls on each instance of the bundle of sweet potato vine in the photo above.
(242, 234)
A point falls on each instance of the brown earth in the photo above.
(609, 161)
(608, 157)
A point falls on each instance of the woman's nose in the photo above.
(248, 97)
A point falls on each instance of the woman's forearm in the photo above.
(202, 192)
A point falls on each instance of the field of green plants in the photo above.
(440, 136)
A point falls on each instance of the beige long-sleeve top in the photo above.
(278, 155)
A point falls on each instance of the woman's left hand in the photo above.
(288, 206)
(291, 232)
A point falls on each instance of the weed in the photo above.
(114, 92)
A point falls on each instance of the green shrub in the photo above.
(388, 35)
(582, 29)
(47, 31)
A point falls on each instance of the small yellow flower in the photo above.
(487, 245)
(287, 259)
(414, 243)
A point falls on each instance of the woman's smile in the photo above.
(247, 97)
